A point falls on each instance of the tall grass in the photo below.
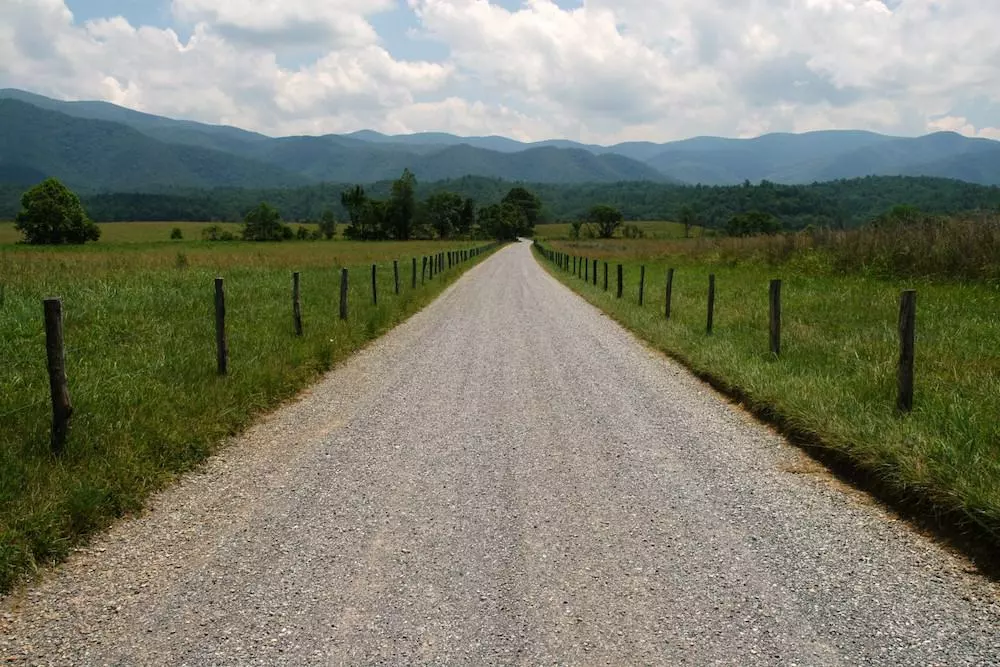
(139, 331)
(835, 380)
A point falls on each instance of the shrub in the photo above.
(51, 214)
(176, 234)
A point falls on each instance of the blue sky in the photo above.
(591, 70)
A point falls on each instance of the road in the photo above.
(509, 477)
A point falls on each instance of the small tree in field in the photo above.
(606, 219)
(264, 224)
(689, 219)
(328, 224)
(52, 214)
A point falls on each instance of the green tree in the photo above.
(355, 201)
(468, 217)
(263, 223)
(502, 222)
(689, 219)
(528, 205)
(402, 207)
(606, 218)
(51, 215)
(444, 212)
(328, 224)
(176, 234)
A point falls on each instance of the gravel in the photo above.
(508, 477)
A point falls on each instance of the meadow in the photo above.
(651, 230)
(140, 353)
(834, 385)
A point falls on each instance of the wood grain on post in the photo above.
(374, 285)
(907, 340)
(711, 303)
(670, 292)
(62, 410)
(642, 284)
(343, 294)
(619, 281)
(221, 342)
(296, 304)
(775, 294)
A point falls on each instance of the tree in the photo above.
(528, 205)
(176, 234)
(263, 223)
(502, 222)
(444, 212)
(51, 215)
(606, 218)
(689, 219)
(467, 218)
(328, 224)
(355, 201)
(402, 206)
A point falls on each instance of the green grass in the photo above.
(835, 381)
(651, 229)
(140, 351)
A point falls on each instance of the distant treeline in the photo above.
(837, 204)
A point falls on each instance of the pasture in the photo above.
(834, 383)
(651, 229)
(140, 354)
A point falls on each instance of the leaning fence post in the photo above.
(619, 281)
(296, 304)
(775, 294)
(642, 284)
(343, 294)
(670, 291)
(58, 385)
(221, 344)
(907, 336)
(711, 303)
(374, 286)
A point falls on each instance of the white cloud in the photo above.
(608, 70)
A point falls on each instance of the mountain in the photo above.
(102, 155)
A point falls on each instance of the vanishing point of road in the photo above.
(508, 477)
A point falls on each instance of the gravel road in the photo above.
(509, 477)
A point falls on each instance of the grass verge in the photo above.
(139, 331)
(834, 385)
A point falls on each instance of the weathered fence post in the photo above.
(595, 273)
(343, 294)
(907, 336)
(642, 284)
(62, 410)
(413, 284)
(619, 281)
(775, 294)
(395, 274)
(574, 264)
(605, 276)
(711, 303)
(586, 270)
(423, 271)
(296, 304)
(221, 344)
(670, 292)
(374, 287)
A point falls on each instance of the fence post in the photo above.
(907, 336)
(619, 281)
(605, 276)
(711, 303)
(423, 271)
(586, 270)
(296, 304)
(574, 264)
(395, 274)
(595, 273)
(642, 284)
(776, 317)
(221, 344)
(58, 385)
(374, 287)
(670, 291)
(413, 284)
(343, 294)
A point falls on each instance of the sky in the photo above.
(600, 71)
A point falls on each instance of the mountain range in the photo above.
(98, 146)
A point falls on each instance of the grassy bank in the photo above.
(835, 380)
(140, 350)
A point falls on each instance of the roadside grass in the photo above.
(652, 229)
(140, 352)
(152, 232)
(835, 382)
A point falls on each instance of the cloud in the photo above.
(603, 71)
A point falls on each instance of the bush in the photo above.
(632, 232)
(302, 233)
(176, 234)
(51, 215)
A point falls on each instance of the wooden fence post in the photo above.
(343, 294)
(586, 270)
(296, 304)
(62, 410)
(595, 273)
(642, 284)
(395, 274)
(775, 294)
(413, 284)
(423, 271)
(574, 264)
(670, 291)
(619, 281)
(221, 343)
(711, 303)
(605, 276)
(907, 338)
(374, 287)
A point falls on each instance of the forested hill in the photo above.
(836, 203)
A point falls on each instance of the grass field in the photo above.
(651, 229)
(140, 350)
(835, 381)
